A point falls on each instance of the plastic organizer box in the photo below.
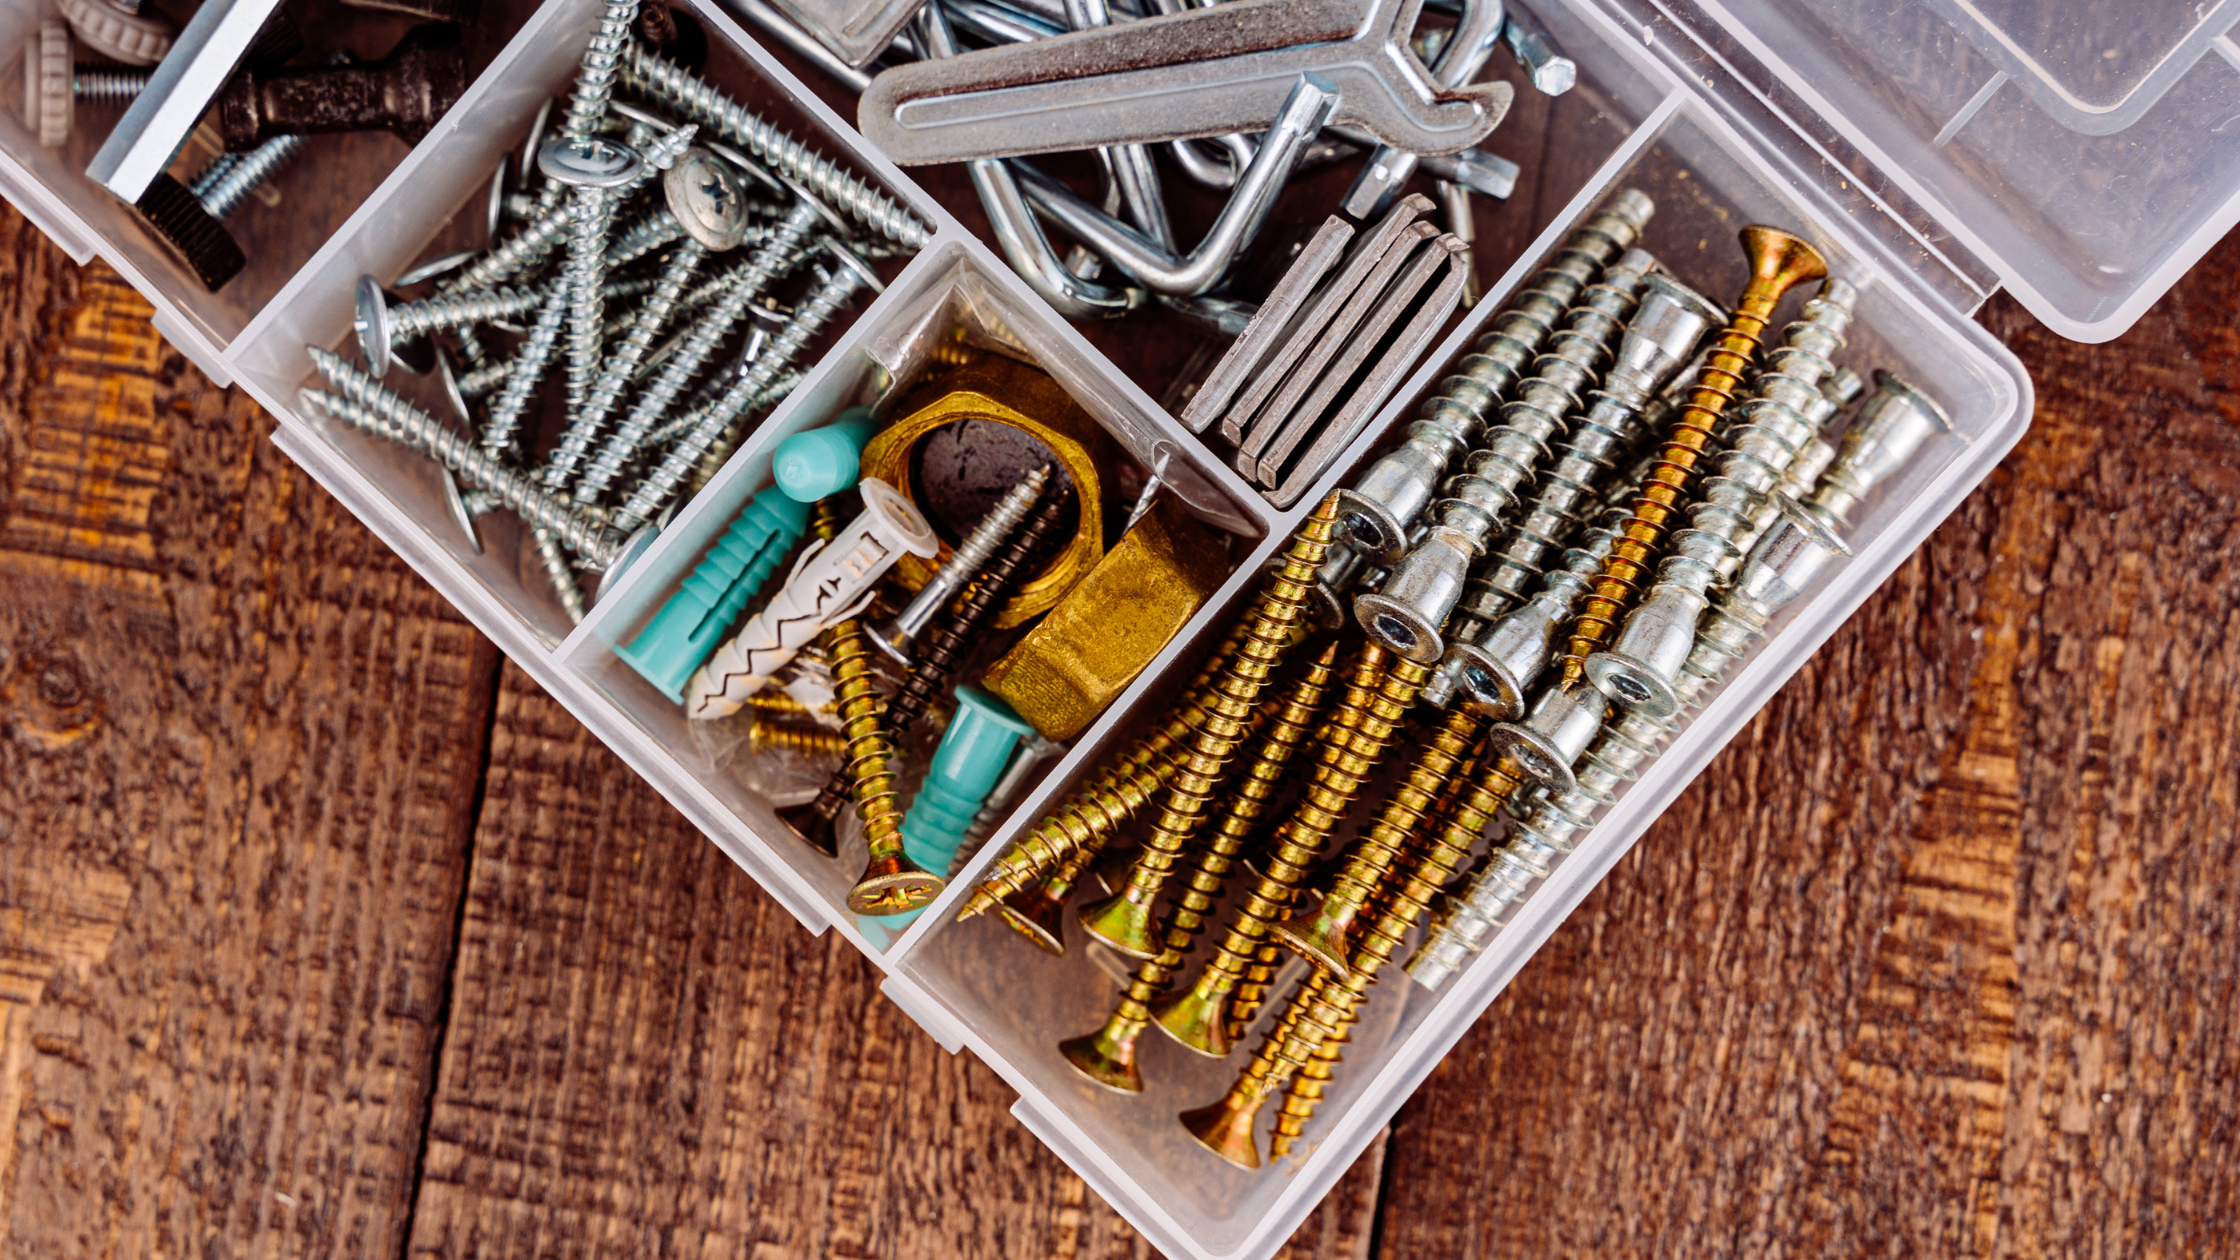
(2081, 154)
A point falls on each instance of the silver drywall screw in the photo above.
(223, 193)
(1378, 511)
(775, 257)
(363, 403)
(648, 72)
(809, 318)
(595, 75)
(709, 205)
(588, 167)
(894, 637)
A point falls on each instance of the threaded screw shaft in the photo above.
(452, 310)
(1352, 743)
(225, 193)
(664, 81)
(1779, 261)
(596, 73)
(1071, 835)
(1386, 500)
(90, 83)
(365, 404)
(809, 319)
(1108, 1055)
(1125, 920)
(622, 364)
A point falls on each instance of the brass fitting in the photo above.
(1353, 742)
(1088, 818)
(1108, 1056)
(1327, 1003)
(1124, 921)
(1320, 934)
(1779, 261)
(765, 736)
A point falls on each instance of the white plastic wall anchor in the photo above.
(830, 583)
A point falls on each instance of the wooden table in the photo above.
(326, 933)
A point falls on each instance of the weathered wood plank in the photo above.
(1936, 959)
(647, 1056)
(241, 748)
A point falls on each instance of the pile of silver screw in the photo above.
(656, 279)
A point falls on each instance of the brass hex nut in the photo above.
(1069, 668)
(1005, 392)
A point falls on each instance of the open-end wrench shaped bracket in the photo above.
(1203, 72)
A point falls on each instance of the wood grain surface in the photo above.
(325, 933)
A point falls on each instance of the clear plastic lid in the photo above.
(2084, 153)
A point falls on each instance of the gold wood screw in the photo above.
(771, 700)
(1779, 261)
(891, 882)
(1108, 1055)
(1320, 934)
(1326, 1003)
(763, 736)
(1353, 742)
(1125, 920)
(1090, 816)
(1314, 1076)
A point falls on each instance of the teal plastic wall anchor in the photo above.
(818, 462)
(973, 753)
(693, 622)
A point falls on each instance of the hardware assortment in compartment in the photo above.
(1239, 98)
(197, 119)
(1461, 659)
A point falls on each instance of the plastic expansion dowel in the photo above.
(694, 621)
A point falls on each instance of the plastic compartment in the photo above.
(312, 199)
(1642, 115)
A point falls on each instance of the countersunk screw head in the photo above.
(704, 194)
(854, 262)
(588, 162)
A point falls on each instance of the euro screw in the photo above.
(1348, 750)
(1326, 1004)
(1073, 834)
(403, 95)
(1779, 261)
(945, 648)
(364, 404)
(1125, 921)
(894, 637)
(1384, 503)
(1108, 1055)
(1889, 430)
(1408, 613)
(1662, 334)
(1640, 668)
(668, 84)
(1320, 934)
(764, 736)
(1495, 670)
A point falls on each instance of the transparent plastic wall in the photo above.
(1642, 123)
(2088, 152)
